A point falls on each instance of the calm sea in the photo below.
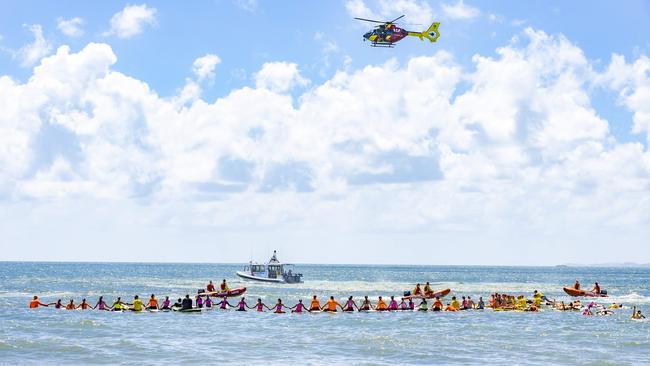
(49, 336)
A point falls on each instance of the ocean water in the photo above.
(50, 336)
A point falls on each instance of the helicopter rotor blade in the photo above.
(370, 20)
(396, 19)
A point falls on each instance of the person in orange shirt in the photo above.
(36, 303)
(210, 287)
(315, 304)
(71, 305)
(381, 305)
(437, 305)
(84, 305)
(417, 291)
(331, 305)
(153, 303)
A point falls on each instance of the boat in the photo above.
(573, 292)
(230, 293)
(274, 271)
(439, 293)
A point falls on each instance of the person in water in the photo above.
(71, 305)
(101, 304)
(315, 304)
(411, 304)
(576, 285)
(153, 303)
(187, 303)
(178, 304)
(403, 305)
(57, 304)
(137, 305)
(350, 305)
(279, 306)
(437, 305)
(199, 302)
(427, 289)
(260, 306)
(242, 306)
(208, 302)
(210, 287)
(392, 304)
(381, 305)
(331, 305)
(365, 305)
(299, 307)
(117, 305)
(84, 305)
(480, 305)
(636, 314)
(224, 304)
(423, 305)
(224, 286)
(417, 291)
(165, 304)
(454, 305)
(36, 303)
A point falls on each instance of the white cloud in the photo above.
(131, 20)
(400, 148)
(460, 11)
(279, 76)
(203, 67)
(71, 27)
(36, 50)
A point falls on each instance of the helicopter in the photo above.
(386, 34)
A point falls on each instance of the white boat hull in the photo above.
(248, 276)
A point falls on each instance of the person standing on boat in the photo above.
(274, 258)
(576, 285)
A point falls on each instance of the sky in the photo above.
(217, 131)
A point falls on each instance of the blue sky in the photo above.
(236, 127)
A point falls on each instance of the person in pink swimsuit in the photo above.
(299, 307)
(224, 304)
(278, 307)
(350, 305)
(260, 306)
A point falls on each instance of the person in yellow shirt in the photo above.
(137, 305)
(315, 304)
(331, 305)
(454, 305)
(381, 305)
(522, 303)
(427, 289)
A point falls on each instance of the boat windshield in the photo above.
(257, 268)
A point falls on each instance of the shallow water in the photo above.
(47, 335)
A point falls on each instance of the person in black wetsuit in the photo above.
(187, 303)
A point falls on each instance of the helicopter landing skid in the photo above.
(383, 44)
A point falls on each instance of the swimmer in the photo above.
(242, 306)
(153, 303)
(36, 303)
(463, 305)
(84, 305)
(365, 305)
(117, 305)
(392, 304)
(165, 304)
(636, 314)
(299, 307)
(208, 302)
(331, 305)
(423, 305)
(411, 304)
(224, 304)
(187, 303)
(71, 305)
(137, 305)
(57, 304)
(101, 304)
(199, 301)
(470, 303)
(277, 309)
(315, 304)
(260, 306)
(350, 305)
(381, 305)
(178, 304)
(454, 303)
(480, 305)
(437, 304)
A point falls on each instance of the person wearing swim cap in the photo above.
(315, 304)
(35, 302)
(331, 305)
